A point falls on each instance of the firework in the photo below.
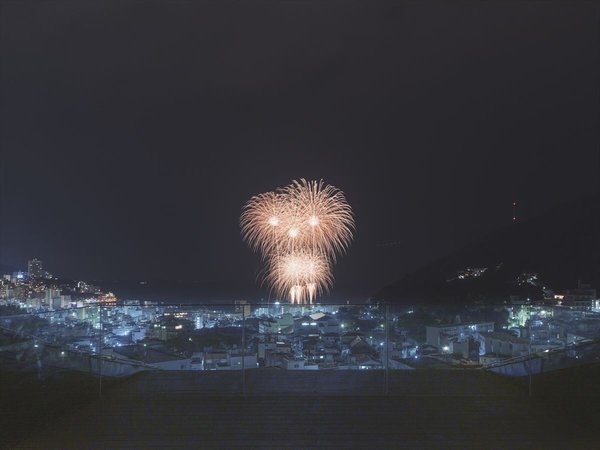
(262, 221)
(299, 230)
(321, 218)
(301, 275)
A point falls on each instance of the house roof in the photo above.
(367, 360)
(146, 354)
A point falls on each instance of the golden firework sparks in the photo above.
(299, 230)
(323, 218)
(301, 275)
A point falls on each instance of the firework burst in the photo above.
(322, 218)
(299, 230)
(262, 221)
(301, 275)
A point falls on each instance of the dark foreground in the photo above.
(424, 409)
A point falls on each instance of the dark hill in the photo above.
(561, 246)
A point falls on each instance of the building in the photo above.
(65, 301)
(505, 344)
(298, 364)
(218, 359)
(87, 288)
(242, 307)
(366, 362)
(283, 324)
(52, 298)
(153, 357)
(35, 269)
(237, 361)
(583, 297)
(18, 277)
(442, 336)
(468, 348)
(317, 323)
(169, 327)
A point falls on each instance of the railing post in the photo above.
(529, 360)
(244, 350)
(100, 353)
(387, 347)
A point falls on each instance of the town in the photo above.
(47, 323)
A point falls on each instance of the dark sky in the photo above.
(133, 132)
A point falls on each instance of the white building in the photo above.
(442, 336)
(503, 343)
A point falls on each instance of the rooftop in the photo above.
(145, 354)
(505, 336)
(465, 324)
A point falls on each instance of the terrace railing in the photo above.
(249, 348)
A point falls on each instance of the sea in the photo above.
(188, 293)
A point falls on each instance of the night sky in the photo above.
(133, 132)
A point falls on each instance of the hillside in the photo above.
(552, 250)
